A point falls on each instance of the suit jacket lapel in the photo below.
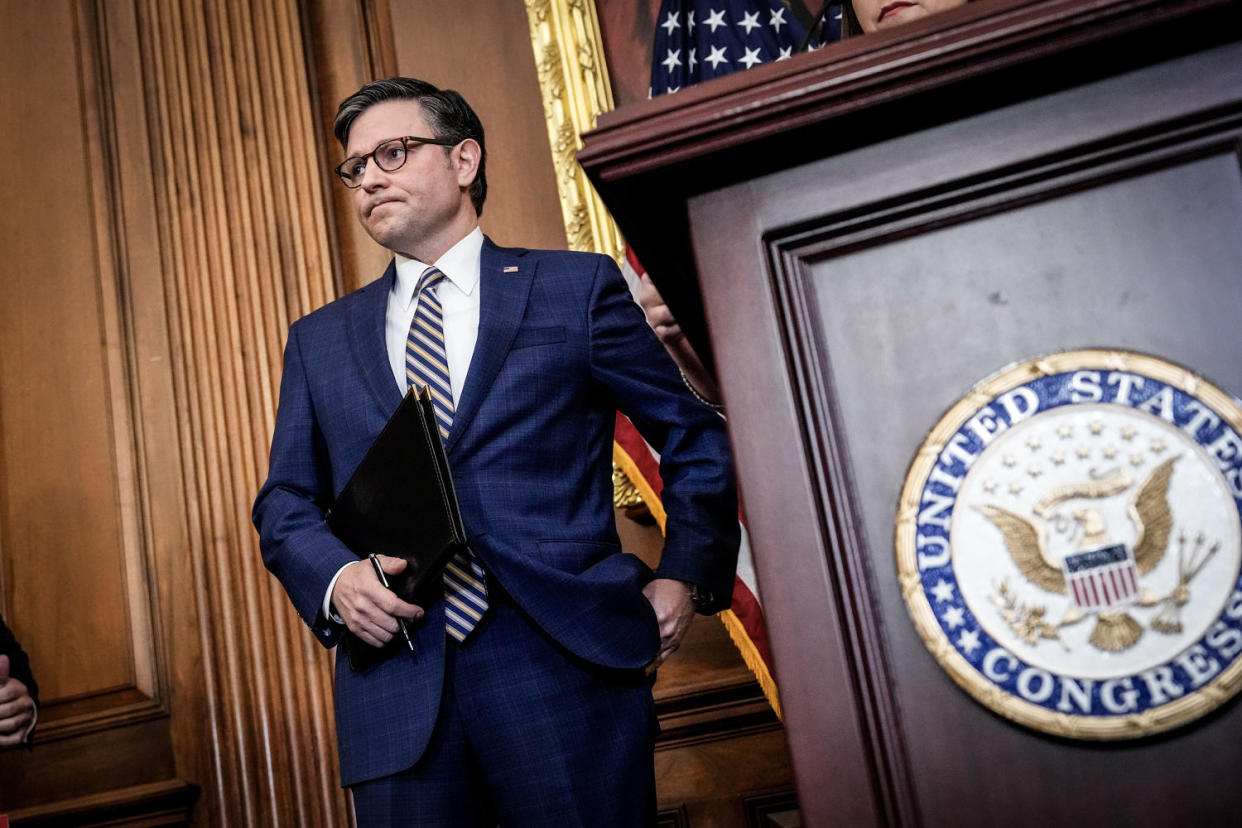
(367, 319)
(504, 278)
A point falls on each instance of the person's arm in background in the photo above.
(19, 694)
(661, 320)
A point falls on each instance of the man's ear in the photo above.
(466, 156)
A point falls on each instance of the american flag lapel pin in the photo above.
(511, 269)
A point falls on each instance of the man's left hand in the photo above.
(674, 610)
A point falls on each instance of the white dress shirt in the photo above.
(459, 297)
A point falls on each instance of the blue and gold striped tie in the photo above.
(465, 589)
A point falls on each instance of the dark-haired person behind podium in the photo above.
(527, 699)
(19, 695)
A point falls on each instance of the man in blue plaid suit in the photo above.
(541, 714)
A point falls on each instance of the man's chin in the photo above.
(385, 234)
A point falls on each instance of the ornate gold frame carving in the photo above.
(573, 79)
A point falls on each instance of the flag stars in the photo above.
(777, 19)
(690, 22)
(968, 641)
(1127, 433)
(670, 23)
(751, 57)
(694, 61)
(716, 57)
(673, 60)
(715, 19)
(953, 617)
(785, 53)
(942, 591)
(749, 21)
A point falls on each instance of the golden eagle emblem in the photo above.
(1152, 521)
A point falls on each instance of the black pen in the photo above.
(379, 573)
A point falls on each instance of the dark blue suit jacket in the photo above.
(561, 347)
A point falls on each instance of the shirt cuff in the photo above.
(326, 609)
(34, 720)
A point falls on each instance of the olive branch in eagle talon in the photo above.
(1026, 621)
(1152, 517)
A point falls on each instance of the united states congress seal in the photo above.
(1069, 543)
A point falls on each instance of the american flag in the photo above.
(1100, 579)
(697, 40)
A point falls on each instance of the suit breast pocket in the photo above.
(547, 335)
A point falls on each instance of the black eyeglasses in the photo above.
(389, 156)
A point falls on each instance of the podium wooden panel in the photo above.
(871, 233)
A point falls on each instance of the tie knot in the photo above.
(431, 277)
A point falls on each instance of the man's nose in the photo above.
(372, 175)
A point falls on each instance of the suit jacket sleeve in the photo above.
(297, 545)
(700, 499)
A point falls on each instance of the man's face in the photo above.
(883, 14)
(423, 208)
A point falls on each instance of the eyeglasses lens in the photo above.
(389, 157)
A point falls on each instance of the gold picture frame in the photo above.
(573, 80)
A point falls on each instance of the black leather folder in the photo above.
(400, 502)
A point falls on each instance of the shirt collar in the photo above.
(460, 265)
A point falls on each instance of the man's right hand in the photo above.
(16, 708)
(368, 608)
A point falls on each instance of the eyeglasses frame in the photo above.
(439, 142)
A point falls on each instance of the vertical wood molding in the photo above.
(348, 43)
(381, 50)
(244, 250)
(115, 292)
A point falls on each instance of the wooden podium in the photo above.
(864, 234)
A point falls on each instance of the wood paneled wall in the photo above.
(91, 520)
(179, 224)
